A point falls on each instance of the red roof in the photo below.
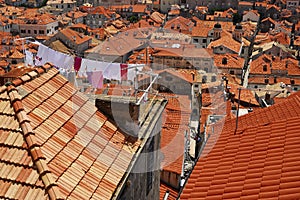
(164, 188)
(175, 122)
(261, 160)
(55, 144)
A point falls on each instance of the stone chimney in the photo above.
(121, 110)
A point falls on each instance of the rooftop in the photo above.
(54, 142)
(260, 161)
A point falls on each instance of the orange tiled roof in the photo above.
(174, 12)
(38, 19)
(76, 14)
(246, 95)
(228, 26)
(176, 120)
(164, 188)
(199, 31)
(281, 38)
(233, 61)
(260, 161)
(15, 54)
(75, 36)
(261, 3)
(187, 76)
(158, 17)
(186, 51)
(55, 144)
(273, 6)
(227, 41)
(269, 19)
(253, 11)
(140, 57)
(286, 66)
(139, 8)
(257, 65)
(17, 72)
(180, 24)
(245, 3)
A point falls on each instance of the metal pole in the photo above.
(237, 113)
(23, 47)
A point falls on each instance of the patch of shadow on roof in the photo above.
(23, 93)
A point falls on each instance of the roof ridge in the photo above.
(27, 77)
(296, 99)
(37, 156)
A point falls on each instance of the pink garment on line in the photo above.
(97, 79)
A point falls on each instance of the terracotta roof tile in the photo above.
(232, 61)
(227, 41)
(181, 24)
(176, 120)
(65, 136)
(173, 194)
(257, 162)
(75, 36)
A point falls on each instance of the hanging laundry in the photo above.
(72, 77)
(124, 70)
(97, 79)
(42, 55)
(89, 76)
(51, 57)
(28, 58)
(132, 71)
(59, 59)
(77, 63)
(91, 65)
(68, 62)
(113, 72)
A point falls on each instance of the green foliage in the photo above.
(133, 19)
(236, 18)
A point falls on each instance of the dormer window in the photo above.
(265, 68)
(224, 61)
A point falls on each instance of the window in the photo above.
(28, 31)
(204, 40)
(41, 32)
(23, 31)
(231, 72)
(35, 31)
(213, 79)
(292, 81)
(150, 162)
(265, 68)
(204, 79)
(266, 80)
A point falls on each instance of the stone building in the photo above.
(184, 57)
(71, 149)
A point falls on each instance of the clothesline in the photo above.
(94, 71)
